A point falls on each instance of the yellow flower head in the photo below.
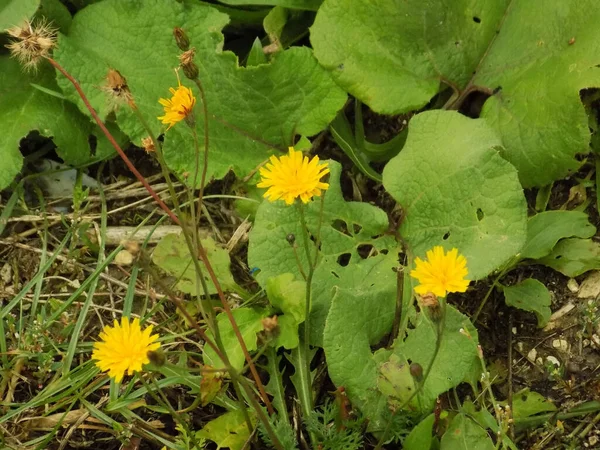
(292, 176)
(124, 348)
(179, 106)
(441, 273)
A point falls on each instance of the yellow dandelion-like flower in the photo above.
(179, 107)
(293, 176)
(124, 348)
(441, 273)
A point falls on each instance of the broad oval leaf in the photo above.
(456, 191)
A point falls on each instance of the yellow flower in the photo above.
(179, 106)
(124, 348)
(292, 176)
(441, 273)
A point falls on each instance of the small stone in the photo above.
(572, 285)
(6, 273)
(514, 330)
(539, 361)
(123, 258)
(593, 440)
(532, 355)
(561, 344)
(590, 288)
(553, 360)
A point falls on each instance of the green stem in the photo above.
(305, 340)
(159, 156)
(441, 323)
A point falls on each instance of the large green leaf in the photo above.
(534, 56)
(252, 110)
(455, 358)
(351, 323)
(457, 191)
(26, 108)
(14, 12)
(348, 231)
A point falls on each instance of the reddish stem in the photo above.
(114, 143)
(175, 219)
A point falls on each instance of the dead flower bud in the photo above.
(117, 91)
(183, 42)
(148, 145)
(270, 329)
(189, 67)
(31, 42)
(431, 302)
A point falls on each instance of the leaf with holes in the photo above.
(350, 329)
(530, 295)
(454, 360)
(531, 57)
(572, 257)
(253, 111)
(26, 107)
(456, 191)
(355, 248)
(545, 229)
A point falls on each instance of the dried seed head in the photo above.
(186, 61)
(148, 145)
(116, 89)
(31, 42)
(270, 329)
(181, 38)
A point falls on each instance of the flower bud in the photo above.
(416, 370)
(181, 39)
(190, 70)
(186, 61)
